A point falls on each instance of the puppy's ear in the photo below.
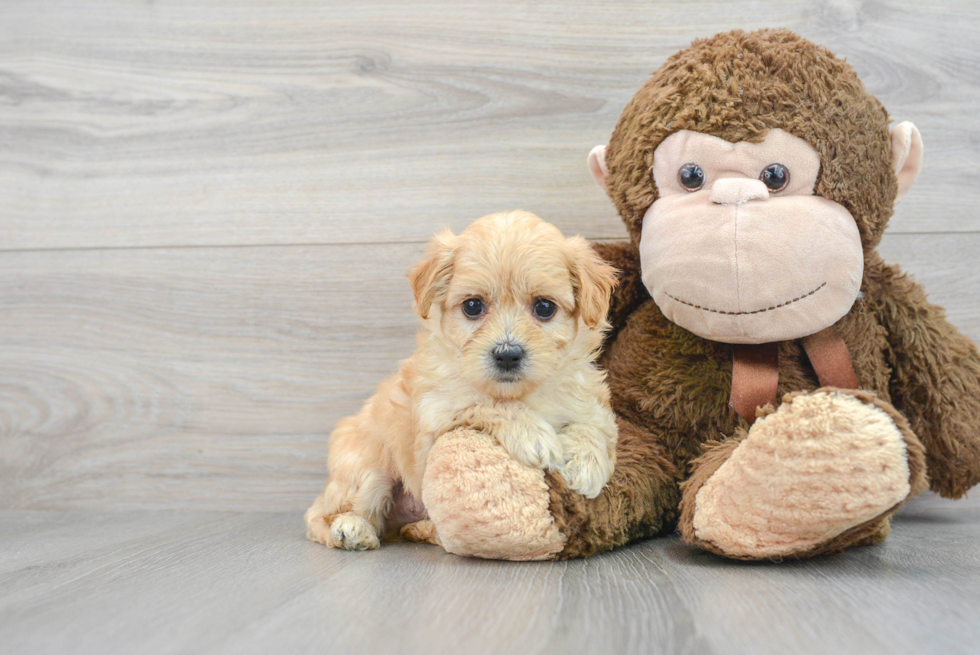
(430, 277)
(593, 281)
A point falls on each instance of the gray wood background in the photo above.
(207, 208)
(206, 212)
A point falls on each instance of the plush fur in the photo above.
(476, 489)
(918, 412)
(792, 478)
(737, 86)
(549, 408)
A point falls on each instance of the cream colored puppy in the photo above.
(513, 317)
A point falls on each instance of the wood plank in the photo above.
(186, 377)
(211, 377)
(165, 582)
(180, 123)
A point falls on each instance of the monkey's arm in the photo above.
(935, 380)
(629, 291)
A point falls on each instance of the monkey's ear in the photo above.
(592, 280)
(906, 156)
(430, 277)
(597, 164)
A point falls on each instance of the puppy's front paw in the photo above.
(352, 532)
(587, 472)
(529, 438)
(541, 450)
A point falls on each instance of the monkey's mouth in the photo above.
(754, 311)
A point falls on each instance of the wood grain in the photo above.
(200, 378)
(206, 211)
(176, 123)
(177, 582)
(209, 378)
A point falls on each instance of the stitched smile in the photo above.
(756, 311)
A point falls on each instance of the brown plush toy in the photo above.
(781, 390)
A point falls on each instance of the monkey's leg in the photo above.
(824, 471)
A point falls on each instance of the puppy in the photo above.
(513, 316)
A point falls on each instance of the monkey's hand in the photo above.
(524, 434)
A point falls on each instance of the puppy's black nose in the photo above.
(507, 356)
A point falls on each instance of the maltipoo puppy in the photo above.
(513, 317)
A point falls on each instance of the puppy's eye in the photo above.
(473, 307)
(544, 309)
(775, 177)
(691, 177)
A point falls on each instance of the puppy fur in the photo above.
(551, 411)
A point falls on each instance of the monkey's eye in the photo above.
(544, 309)
(691, 177)
(473, 308)
(775, 177)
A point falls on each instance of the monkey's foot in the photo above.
(822, 472)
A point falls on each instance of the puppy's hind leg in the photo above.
(423, 532)
(340, 526)
(350, 513)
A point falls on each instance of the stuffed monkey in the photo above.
(780, 389)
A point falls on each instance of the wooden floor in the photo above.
(97, 582)
(206, 211)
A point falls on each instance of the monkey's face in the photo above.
(738, 249)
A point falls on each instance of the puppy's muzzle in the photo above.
(507, 358)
